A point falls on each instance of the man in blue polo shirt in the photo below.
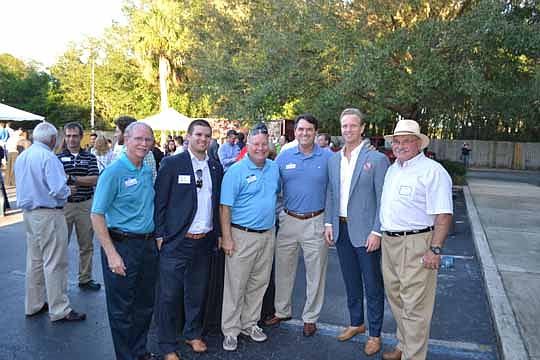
(123, 220)
(247, 212)
(301, 224)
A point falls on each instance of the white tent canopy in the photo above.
(169, 119)
(9, 113)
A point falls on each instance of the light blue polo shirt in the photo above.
(304, 179)
(125, 195)
(251, 192)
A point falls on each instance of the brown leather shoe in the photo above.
(197, 345)
(392, 355)
(373, 345)
(171, 356)
(310, 329)
(351, 331)
(274, 320)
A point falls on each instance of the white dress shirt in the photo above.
(203, 222)
(414, 193)
(345, 177)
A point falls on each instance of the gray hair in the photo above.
(131, 127)
(44, 133)
(353, 111)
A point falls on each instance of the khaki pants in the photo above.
(46, 262)
(410, 290)
(247, 273)
(78, 215)
(10, 168)
(294, 234)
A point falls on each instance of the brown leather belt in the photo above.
(342, 219)
(304, 216)
(195, 236)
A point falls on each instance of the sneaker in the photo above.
(255, 333)
(230, 343)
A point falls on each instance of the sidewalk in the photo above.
(505, 223)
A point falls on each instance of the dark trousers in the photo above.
(4, 194)
(184, 268)
(130, 298)
(360, 267)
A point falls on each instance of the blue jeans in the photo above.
(130, 298)
(359, 267)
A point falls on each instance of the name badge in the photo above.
(290, 166)
(405, 190)
(184, 179)
(65, 159)
(251, 179)
(130, 182)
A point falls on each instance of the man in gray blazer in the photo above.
(352, 222)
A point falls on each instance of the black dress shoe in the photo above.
(147, 356)
(91, 285)
(43, 309)
(73, 316)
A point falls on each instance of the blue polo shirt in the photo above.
(251, 192)
(125, 195)
(304, 179)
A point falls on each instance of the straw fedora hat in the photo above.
(409, 127)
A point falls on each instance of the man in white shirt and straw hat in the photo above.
(416, 214)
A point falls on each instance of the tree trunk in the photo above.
(163, 73)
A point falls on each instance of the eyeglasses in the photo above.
(141, 139)
(199, 182)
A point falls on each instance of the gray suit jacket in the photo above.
(364, 196)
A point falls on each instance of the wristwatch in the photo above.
(436, 250)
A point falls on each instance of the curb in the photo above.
(508, 334)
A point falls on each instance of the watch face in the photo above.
(436, 250)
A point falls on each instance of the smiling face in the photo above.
(138, 143)
(405, 147)
(305, 133)
(258, 148)
(199, 140)
(352, 129)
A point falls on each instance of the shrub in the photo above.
(456, 170)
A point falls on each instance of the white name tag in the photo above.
(290, 166)
(65, 159)
(405, 190)
(184, 179)
(130, 182)
(251, 179)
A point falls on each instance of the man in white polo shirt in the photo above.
(416, 213)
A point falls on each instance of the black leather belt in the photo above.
(342, 219)
(409, 232)
(303, 216)
(78, 200)
(243, 228)
(120, 235)
(50, 208)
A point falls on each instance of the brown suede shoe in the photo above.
(309, 329)
(274, 320)
(392, 355)
(373, 345)
(197, 345)
(351, 331)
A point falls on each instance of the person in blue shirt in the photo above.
(301, 224)
(123, 221)
(247, 212)
(42, 193)
(229, 150)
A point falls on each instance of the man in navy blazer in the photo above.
(353, 203)
(188, 188)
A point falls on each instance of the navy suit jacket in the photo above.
(175, 203)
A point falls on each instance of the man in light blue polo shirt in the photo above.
(301, 224)
(247, 212)
(123, 220)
